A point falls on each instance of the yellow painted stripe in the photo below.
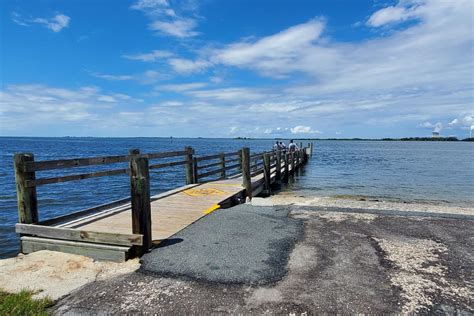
(212, 209)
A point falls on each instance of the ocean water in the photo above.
(441, 172)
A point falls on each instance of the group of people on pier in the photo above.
(280, 146)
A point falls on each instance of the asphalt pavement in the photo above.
(241, 245)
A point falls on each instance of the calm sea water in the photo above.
(410, 171)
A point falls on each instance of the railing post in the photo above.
(266, 172)
(292, 158)
(222, 160)
(246, 178)
(239, 168)
(287, 169)
(140, 196)
(133, 152)
(189, 166)
(26, 195)
(195, 170)
(278, 167)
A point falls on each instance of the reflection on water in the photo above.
(419, 171)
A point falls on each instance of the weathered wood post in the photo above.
(195, 170)
(292, 158)
(222, 165)
(26, 194)
(266, 172)
(247, 180)
(239, 168)
(140, 196)
(287, 168)
(311, 149)
(189, 166)
(278, 167)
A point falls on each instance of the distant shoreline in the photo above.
(403, 139)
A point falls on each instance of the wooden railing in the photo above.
(197, 170)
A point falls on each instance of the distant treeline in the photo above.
(431, 139)
(405, 139)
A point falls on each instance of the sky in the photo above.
(237, 68)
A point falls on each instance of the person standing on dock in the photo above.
(292, 146)
(282, 146)
(276, 146)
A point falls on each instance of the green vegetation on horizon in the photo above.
(22, 303)
(406, 139)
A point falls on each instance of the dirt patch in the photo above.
(56, 274)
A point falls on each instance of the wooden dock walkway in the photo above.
(129, 227)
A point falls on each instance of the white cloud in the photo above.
(112, 77)
(181, 87)
(391, 14)
(147, 77)
(179, 27)
(185, 66)
(149, 4)
(281, 48)
(165, 20)
(301, 129)
(55, 24)
(17, 18)
(149, 57)
(454, 122)
(437, 127)
(171, 103)
(24, 107)
(229, 94)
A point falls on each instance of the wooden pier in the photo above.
(129, 227)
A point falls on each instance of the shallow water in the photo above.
(412, 171)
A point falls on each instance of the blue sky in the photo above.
(237, 68)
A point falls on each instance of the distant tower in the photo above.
(435, 134)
